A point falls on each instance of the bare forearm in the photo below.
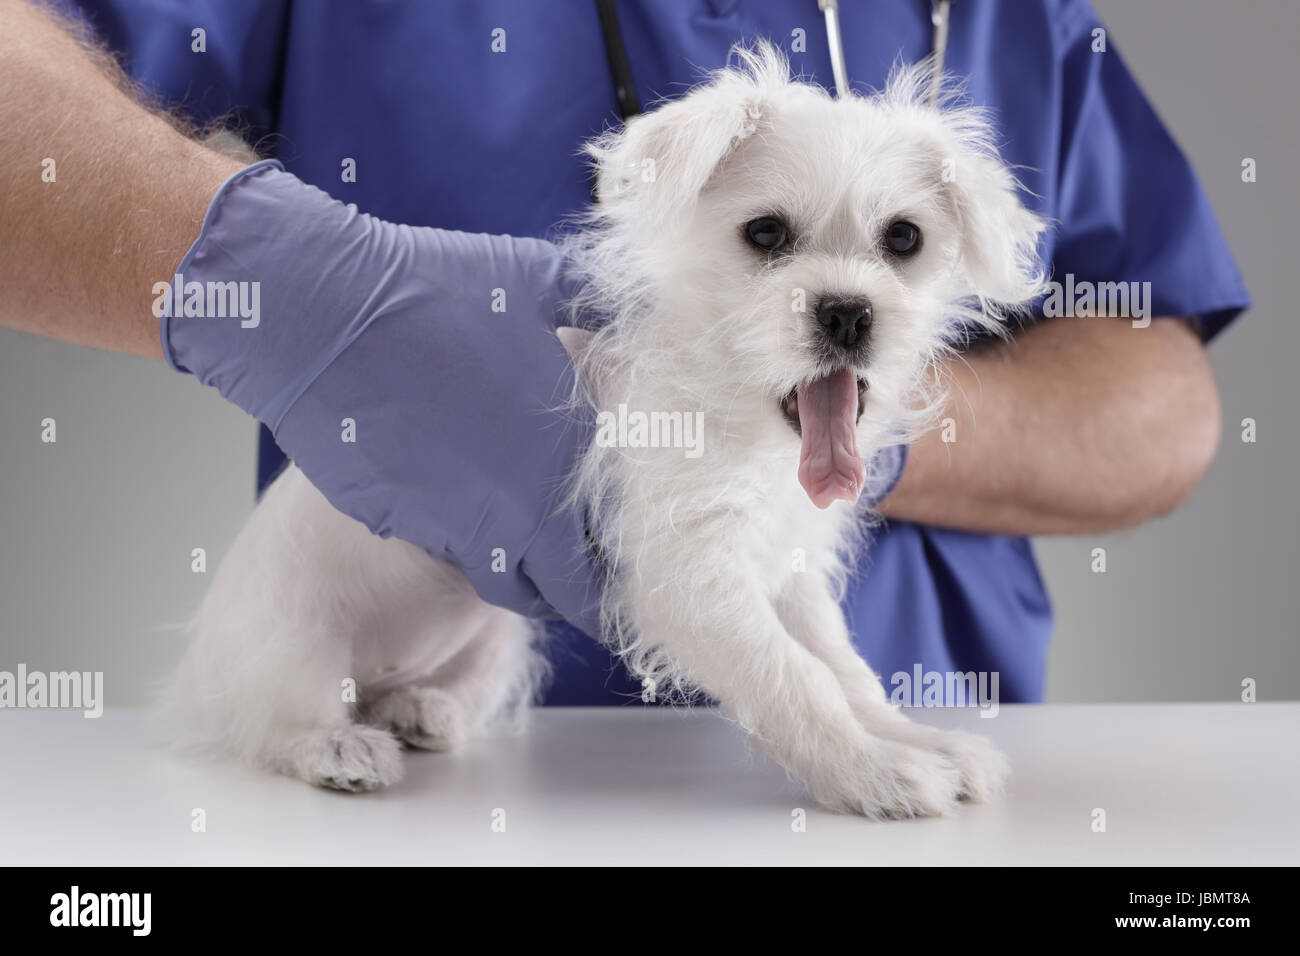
(84, 237)
(1077, 425)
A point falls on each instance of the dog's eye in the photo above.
(767, 233)
(902, 238)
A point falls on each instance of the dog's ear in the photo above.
(998, 234)
(663, 159)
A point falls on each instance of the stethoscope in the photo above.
(625, 88)
(938, 17)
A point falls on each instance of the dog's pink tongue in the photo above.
(830, 466)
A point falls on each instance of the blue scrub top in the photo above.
(448, 132)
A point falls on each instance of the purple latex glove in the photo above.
(439, 346)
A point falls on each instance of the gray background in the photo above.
(96, 530)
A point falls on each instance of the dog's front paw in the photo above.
(351, 757)
(893, 781)
(425, 717)
(915, 783)
(984, 768)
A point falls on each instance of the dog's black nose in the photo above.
(844, 320)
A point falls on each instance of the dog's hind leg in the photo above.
(489, 682)
(270, 677)
(282, 701)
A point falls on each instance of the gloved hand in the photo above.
(438, 347)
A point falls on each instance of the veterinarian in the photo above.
(467, 116)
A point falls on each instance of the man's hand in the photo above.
(1077, 425)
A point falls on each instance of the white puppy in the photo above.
(783, 268)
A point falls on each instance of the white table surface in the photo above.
(1180, 784)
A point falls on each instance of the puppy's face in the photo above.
(819, 251)
(832, 248)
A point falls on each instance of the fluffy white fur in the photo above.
(320, 649)
(705, 594)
